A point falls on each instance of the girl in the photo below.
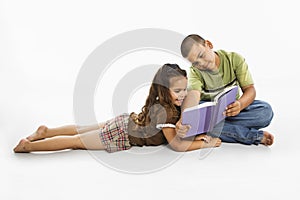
(155, 125)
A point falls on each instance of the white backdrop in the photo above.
(43, 46)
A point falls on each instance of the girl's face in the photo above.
(178, 89)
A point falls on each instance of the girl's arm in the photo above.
(179, 144)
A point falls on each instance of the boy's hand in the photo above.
(233, 109)
(181, 129)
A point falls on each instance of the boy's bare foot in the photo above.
(22, 147)
(40, 133)
(268, 139)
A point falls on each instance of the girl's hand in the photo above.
(181, 129)
(203, 137)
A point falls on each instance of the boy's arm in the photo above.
(246, 82)
(246, 99)
(192, 99)
(248, 96)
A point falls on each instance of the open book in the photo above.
(205, 116)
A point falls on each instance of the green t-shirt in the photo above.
(233, 70)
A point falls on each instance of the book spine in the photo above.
(211, 119)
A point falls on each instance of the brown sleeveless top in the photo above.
(151, 134)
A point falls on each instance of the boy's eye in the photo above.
(200, 55)
(195, 64)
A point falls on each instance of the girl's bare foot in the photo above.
(40, 133)
(268, 139)
(22, 147)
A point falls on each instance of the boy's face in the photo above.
(202, 57)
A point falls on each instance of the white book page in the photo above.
(223, 92)
(206, 104)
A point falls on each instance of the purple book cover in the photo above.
(205, 116)
(199, 118)
(223, 101)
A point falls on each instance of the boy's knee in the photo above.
(267, 114)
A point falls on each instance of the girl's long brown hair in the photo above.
(159, 92)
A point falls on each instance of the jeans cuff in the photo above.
(260, 135)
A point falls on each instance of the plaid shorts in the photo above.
(114, 134)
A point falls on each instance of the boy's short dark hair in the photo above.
(188, 42)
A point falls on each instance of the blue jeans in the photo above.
(244, 128)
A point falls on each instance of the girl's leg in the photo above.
(89, 140)
(44, 132)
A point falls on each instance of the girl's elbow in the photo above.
(178, 148)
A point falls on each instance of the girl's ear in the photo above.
(209, 44)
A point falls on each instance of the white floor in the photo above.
(231, 171)
(43, 50)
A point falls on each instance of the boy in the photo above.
(212, 71)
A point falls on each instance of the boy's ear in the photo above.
(209, 44)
